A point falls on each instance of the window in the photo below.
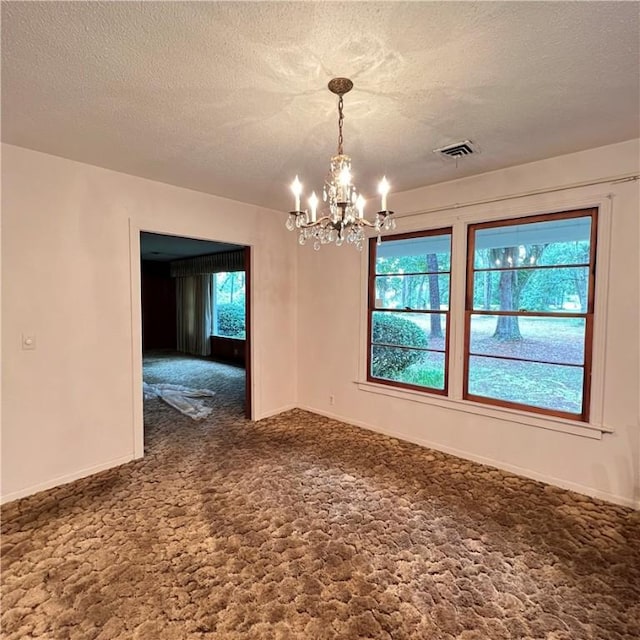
(409, 281)
(525, 316)
(529, 313)
(229, 304)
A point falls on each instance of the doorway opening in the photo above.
(196, 327)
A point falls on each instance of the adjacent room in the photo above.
(194, 326)
(320, 320)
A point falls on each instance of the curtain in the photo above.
(193, 295)
(213, 263)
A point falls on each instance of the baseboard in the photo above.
(521, 471)
(275, 412)
(498, 464)
(60, 480)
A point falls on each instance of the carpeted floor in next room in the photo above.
(303, 527)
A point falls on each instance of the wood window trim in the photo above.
(591, 212)
(214, 303)
(371, 308)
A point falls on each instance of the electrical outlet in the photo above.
(332, 400)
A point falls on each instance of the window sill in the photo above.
(563, 425)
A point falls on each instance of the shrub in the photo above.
(231, 320)
(387, 362)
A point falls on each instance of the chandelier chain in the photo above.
(340, 121)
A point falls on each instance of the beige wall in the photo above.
(331, 351)
(69, 406)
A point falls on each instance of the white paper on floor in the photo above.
(181, 398)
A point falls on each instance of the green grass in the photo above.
(420, 376)
(529, 383)
(547, 386)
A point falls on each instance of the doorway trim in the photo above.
(135, 229)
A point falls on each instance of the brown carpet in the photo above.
(303, 527)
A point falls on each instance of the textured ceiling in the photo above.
(230, 98)
(162, 248)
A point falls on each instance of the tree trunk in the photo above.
(434, 296)
(382, 285)
(580, 283)
(422, 294)
(406, 301)
(507, 327)
(487, 289)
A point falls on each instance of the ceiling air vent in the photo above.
(457, 150)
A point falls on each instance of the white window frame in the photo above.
(459, 220)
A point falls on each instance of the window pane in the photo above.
(558, 340)
(423, 368)
(423, 330)
(426, 254)
(561, 290)
(526, 244)
(414, 292)
(412, 276)
(548, 386)
(229, 304)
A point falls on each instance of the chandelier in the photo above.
(342, 218)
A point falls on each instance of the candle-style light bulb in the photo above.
(360, 202)
(383, 190)
(345, 176)
(296, 187)
(344, 180)
(313, 203)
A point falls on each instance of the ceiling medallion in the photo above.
(342, 218)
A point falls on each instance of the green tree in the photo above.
(511, 283)
(552, 288)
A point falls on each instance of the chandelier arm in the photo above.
(317, 223)
(363, 222)
(325, 221)
(328, 219)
